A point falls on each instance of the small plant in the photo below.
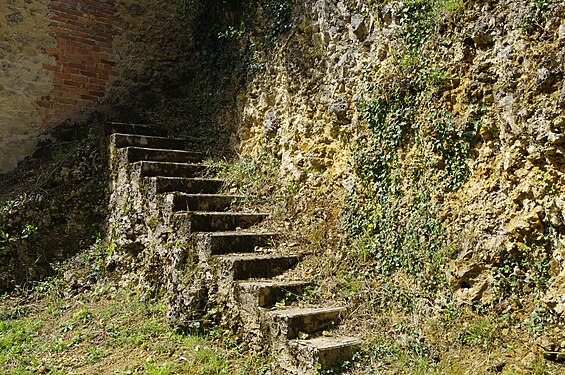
(29, 230)
(94, 354)
(278, 14)
(483, 333)
(535, 11)
(4, 237)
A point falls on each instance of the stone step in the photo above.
(156, 154)
(203, 202)
(266, 293)
(220, 243)
(290, 322)
(254, 266)
(120, 140)
(322, 352)
(220, 221)
(164, 169)
(188, 185)
(136, 129)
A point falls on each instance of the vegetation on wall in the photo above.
(52, 207)
(414, 152)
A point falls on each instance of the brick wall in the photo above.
(84, 32)
(63, 59)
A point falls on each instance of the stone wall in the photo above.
(65, 59)
(303, 104)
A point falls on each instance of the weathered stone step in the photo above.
(266, 293)
(219, 243)
(289, 323)
(156, 154)
(164, 169)
(188, 185)
(322, 352)
(120, 140)
(203, 202)
(137, 129)
(220, 221)
(254, 266)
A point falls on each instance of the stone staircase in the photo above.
(160, 197)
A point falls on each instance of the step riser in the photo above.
(140, 154)
(269, 296)
(201, 203)
(258, 268)
(223, 223)
(311, 358)
(171, 170)
(188, 186)
(221, 245)
(291, 326)
(128, 140)
(330, 358)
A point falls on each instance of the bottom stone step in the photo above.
(323, 352)
(267, 293)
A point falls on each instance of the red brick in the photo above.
(53, 68)
(87, 41)
(68, 101)
(62, 75)
(71, 83)
(89, 97)
(88, 74)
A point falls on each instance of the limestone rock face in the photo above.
(317, 76)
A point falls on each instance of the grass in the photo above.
(106, 330)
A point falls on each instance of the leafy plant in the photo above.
(29, 230)
(278, 14)
(535, 11)
(482, 333)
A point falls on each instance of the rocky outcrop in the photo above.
(304, 107)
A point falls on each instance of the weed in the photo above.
(278, 14)
(94, 354)
(29, 230)
(526, 271)
(483, 333)
(535, 11)
(166, 369)
(256, 177)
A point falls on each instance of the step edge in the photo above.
(187, 178)
(305, 311)
(206, 195)
(275, 283)
(140, 162)
(340, 342)
(148, 136)
(253, 256)
(220, 213)
(164, 150)
(228, 234)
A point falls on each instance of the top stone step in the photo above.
(134, 129)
